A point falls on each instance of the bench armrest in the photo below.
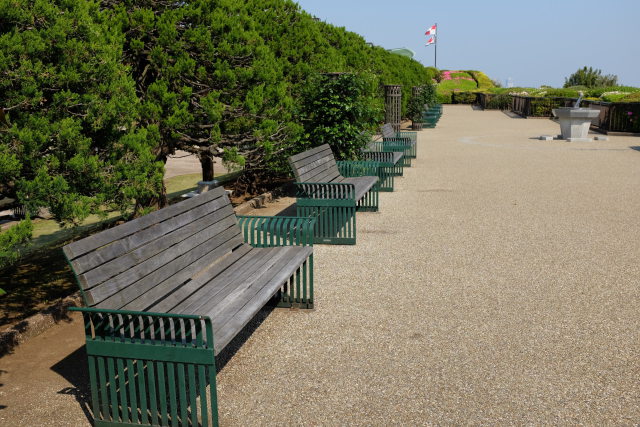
(325, 190)
(146, 328)
(147, 348)
(398, 139)
(385, 157)
(352, 168)
(412, 136)
(270, 231)
(389, 145)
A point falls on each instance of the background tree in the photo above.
(590, 77)
(206, 80)
(69, 141)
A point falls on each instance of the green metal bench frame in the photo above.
(150, 368)
(408, 137)
(334, 204)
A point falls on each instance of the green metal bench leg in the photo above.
(335, 225)
(298, 291)
(370, 202)
(150, 368)
(386, 176)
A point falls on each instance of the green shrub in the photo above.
(590, 77)
(444, 97)
(632, 97)
(482, 80)
(13, 240)
(340, 111)
(464, 97)
(426, 96)
(500, 101)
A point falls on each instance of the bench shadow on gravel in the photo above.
(75, 370)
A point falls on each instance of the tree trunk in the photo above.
(206, 161)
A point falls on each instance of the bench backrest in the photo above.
(140, 262)
(315, 165)
(387, 131)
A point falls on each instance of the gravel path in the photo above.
(499, 284)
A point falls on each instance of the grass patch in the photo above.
(461, 85)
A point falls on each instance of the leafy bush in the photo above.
(339, 111)
(499, 102)
(632, 97)
(463, 97)
(482, 80)
(444, 97)
(426, 96)
(72, 140)
(13, 240)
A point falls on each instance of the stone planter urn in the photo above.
(575, 122)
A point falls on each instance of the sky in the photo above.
(532, 43)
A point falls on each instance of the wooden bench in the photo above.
(168, 291)
(333, 191)
(408, 138)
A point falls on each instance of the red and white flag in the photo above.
(430, 41)
(431, 31)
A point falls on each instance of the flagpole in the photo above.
(435, 54)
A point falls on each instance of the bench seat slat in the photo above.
(362, 184)
(115, 284)
(246, 304)
(88, 244)
(201, 300)
(151, 248)
(169, 303)
(226, 296)
(189, 221)
(141, 295)
(309, 153)
(315, 160)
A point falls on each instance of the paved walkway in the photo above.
(498, 284)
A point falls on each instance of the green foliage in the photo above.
(463, 97)
(632, 97)
(444, 97)
(433, 74)
(590, 77)
(426, 95)
(482, 80)
(499, 102)
(461, 85)
(339, 110)
(13, 241)
(71, 107)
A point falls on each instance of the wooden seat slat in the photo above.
(309, 153)
(245, 306)
(200, 301)
(145, 293)
(109, 286)
(88, 244)
(169, 304)
(150, 249)
(262, 269)
(188, 220)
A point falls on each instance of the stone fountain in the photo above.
(575, 121)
